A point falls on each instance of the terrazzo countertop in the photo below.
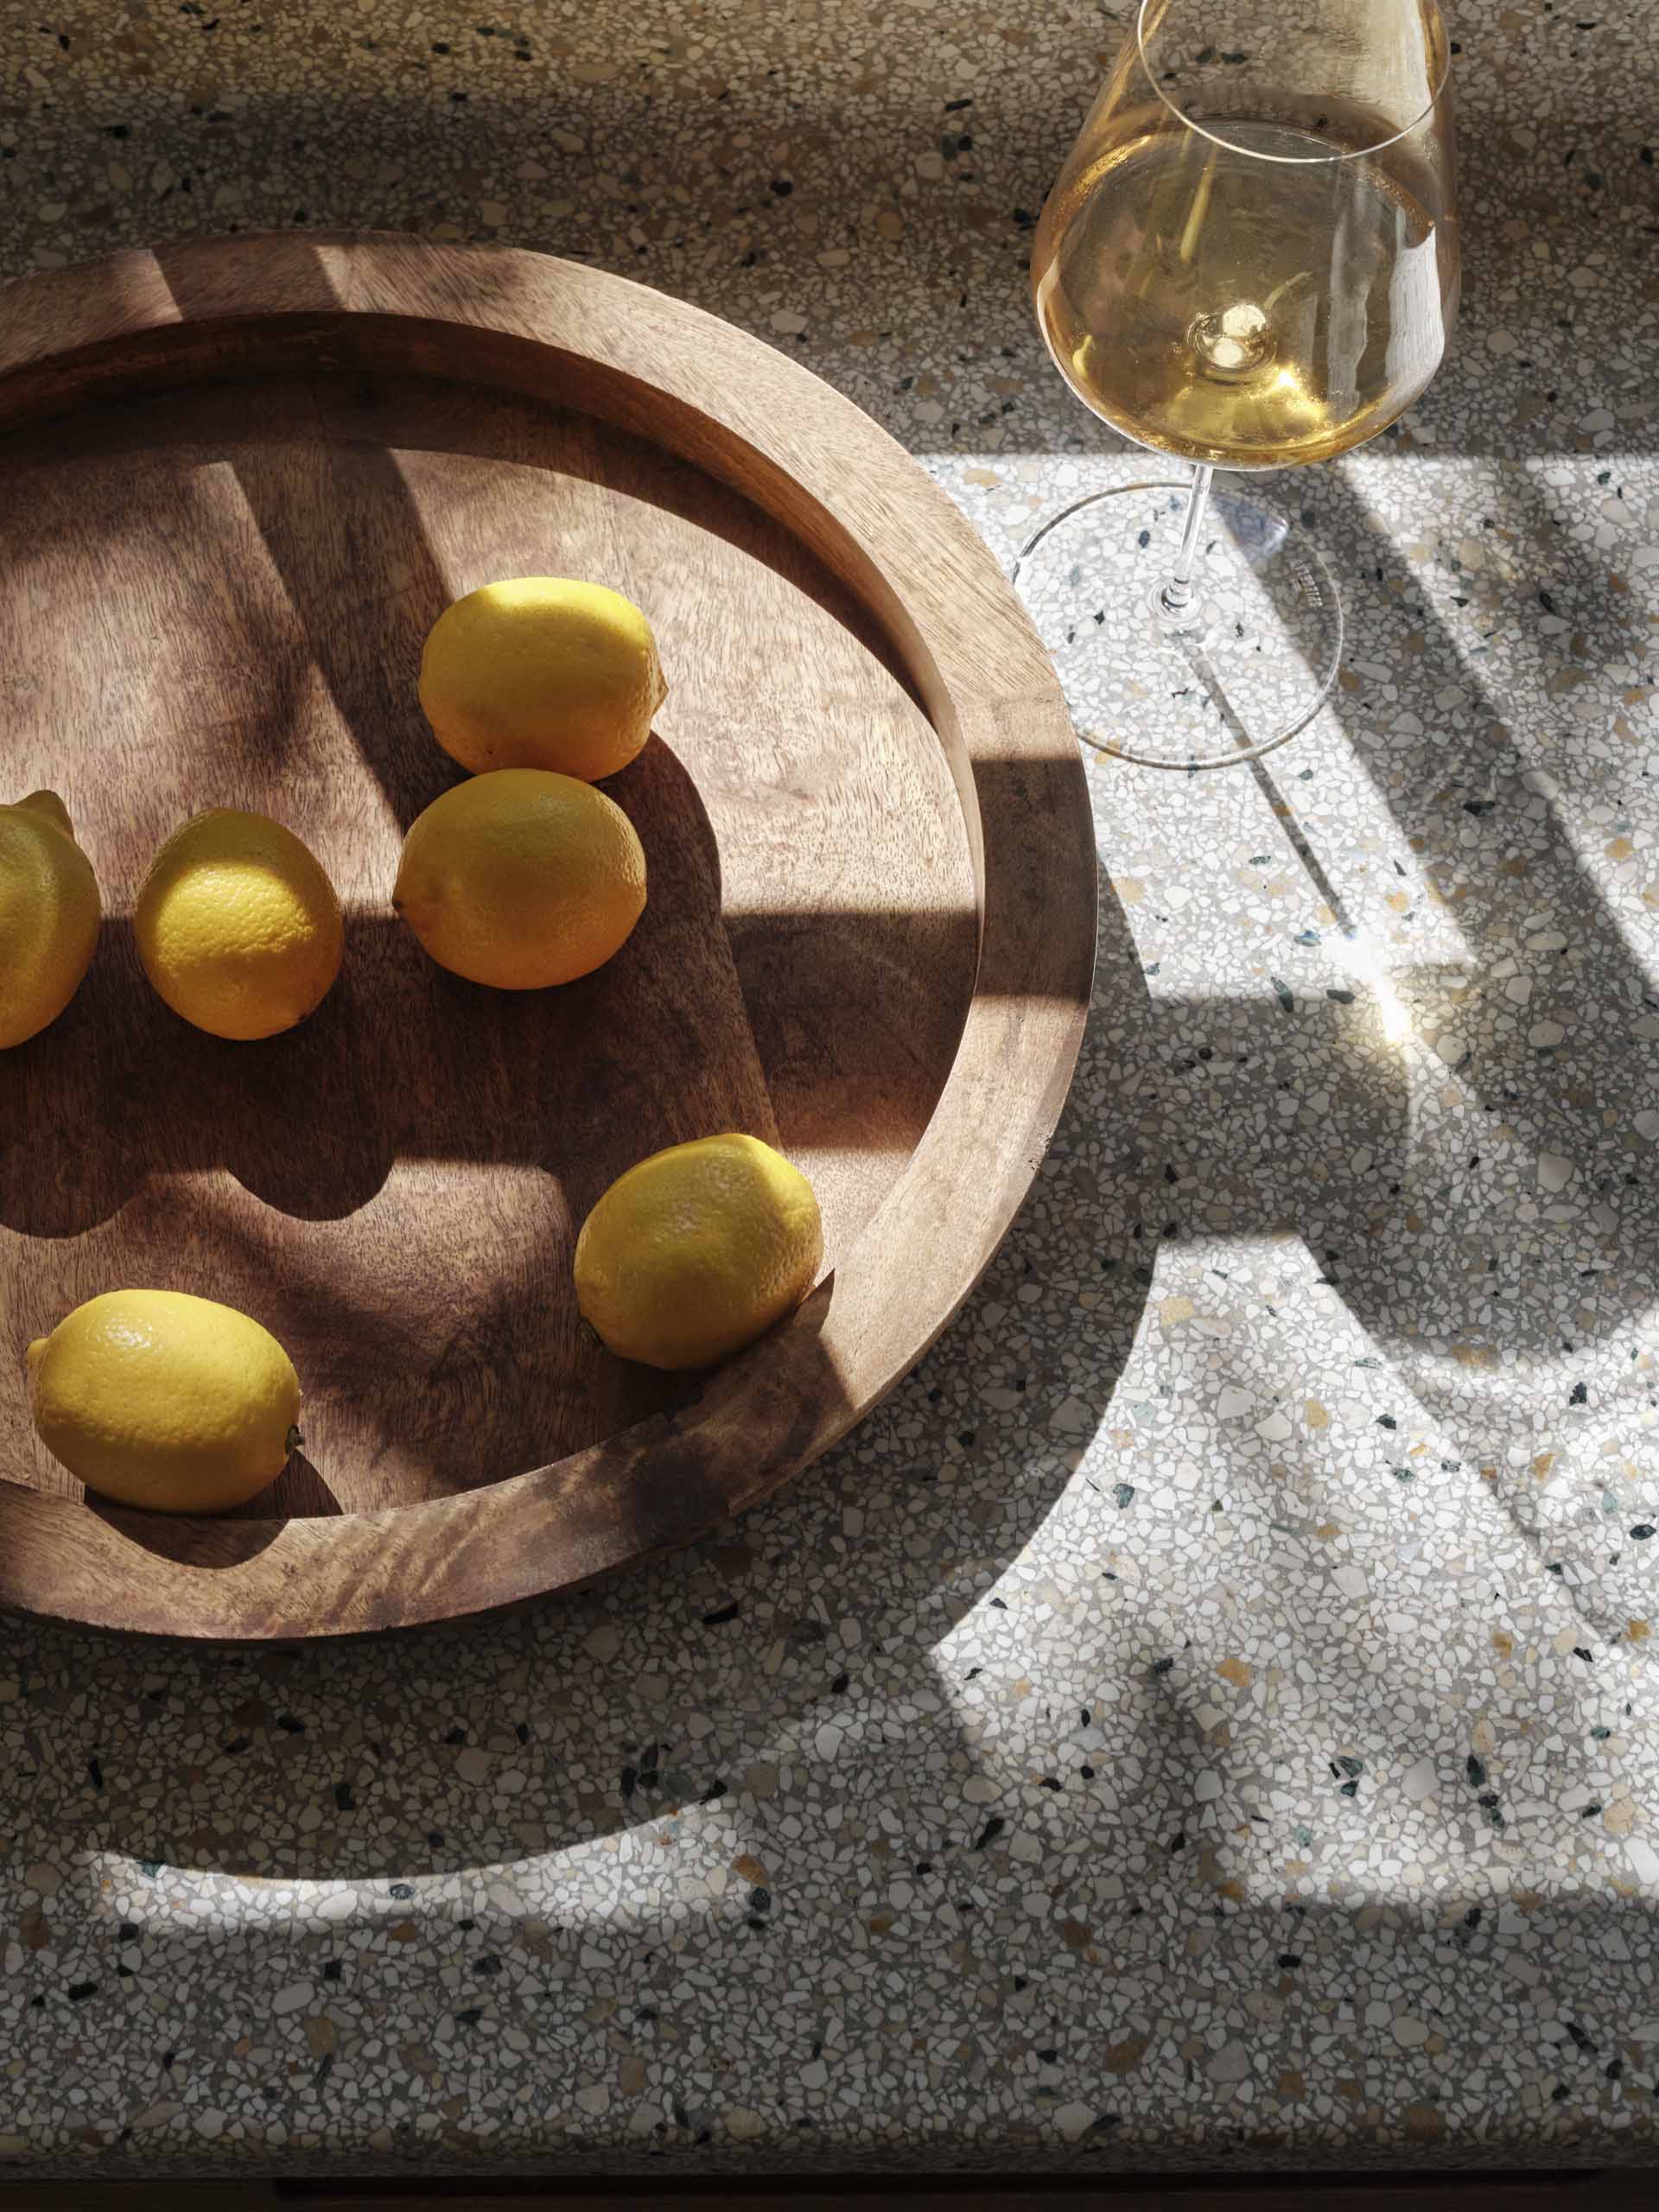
(1207, 1714)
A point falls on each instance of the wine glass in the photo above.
(1250, 261)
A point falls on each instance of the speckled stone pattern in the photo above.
(1207, 1714)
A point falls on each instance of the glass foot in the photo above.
(1245, 667)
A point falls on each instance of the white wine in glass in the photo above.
(1250, 261)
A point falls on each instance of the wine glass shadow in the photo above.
(1487, 828)
(1533, 1028)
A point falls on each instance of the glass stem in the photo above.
(1176, 598)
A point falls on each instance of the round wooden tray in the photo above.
(241, 480)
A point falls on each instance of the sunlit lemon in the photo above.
(542, 672)
(698, 1250)
(158, 1399)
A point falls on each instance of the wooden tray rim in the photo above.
(751, 416)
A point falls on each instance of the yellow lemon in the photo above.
(161, 1400)
(697, 1251)
(238, 927)
(49, 912)
(542, 672)
(521, 879)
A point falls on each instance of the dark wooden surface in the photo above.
(234, 509)
(1520, 2191)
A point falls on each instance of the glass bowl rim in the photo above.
(1288, 161)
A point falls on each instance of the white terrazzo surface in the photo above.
(1205, 1716)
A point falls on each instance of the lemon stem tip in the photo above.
(49, 804)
